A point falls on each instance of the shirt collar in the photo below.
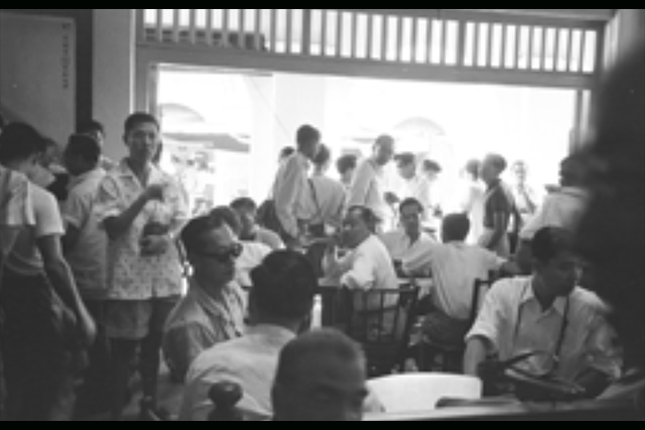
(209, 304)
(275, 334)
(98, 172)
(560, 305)
(125, 171)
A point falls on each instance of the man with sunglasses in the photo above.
(547, 315)
(214, 309)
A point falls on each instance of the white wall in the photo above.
(114, 54)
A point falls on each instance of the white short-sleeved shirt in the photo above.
(250, 361)
(513, 321)
(291, 192)
(89, 257)
(269, 238)
(253, 255)
(563, 209)
(16, 210)
(25, 258)
(326, 201)
(368, 190)
(401, 248)
(132, 276)
(455, 267)
(368, 267)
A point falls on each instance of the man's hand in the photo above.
(154, 246)
(392, 199)
(86, 329)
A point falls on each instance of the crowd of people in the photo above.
(105, 276)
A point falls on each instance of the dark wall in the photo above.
(84, 53)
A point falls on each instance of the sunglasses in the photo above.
(225, 256)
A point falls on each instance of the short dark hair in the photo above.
(432, 166)
(306, 135)
(346, 163)
(473, 167)
(323, 156)
(244, 203)
(90, 126)
(550, 242)
(384, 139)
(293, 358)
(287, 152)
(411, 202)
(194, 235)
(284, 286)
(367, 215)
(20, 141)
(228, 216)
(456, 227)
(498, 161)
(406, 158)
(85, 147)
(136, 119)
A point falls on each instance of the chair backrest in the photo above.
(413, 393)
(380, 320)
(480, 289)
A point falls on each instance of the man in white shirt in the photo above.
(416, 186)
(368, 265)
(368, 189)
(327, 198)
(291, 188)
(247, 210)
(281, 300)
(85, 244)
(563, 209)
(45, 319)
(546, 314)
(455, 266)
(410, 242)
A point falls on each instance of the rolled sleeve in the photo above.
(74, 211)
(48, 218)
(488, 324)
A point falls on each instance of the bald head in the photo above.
(384, 149)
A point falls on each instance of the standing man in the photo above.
(291, 188)
(346, 166)
(498, 207)
(85, 245)
(368, 188)
(416, 186)
(45, 319)
(142, 211)
(96, 130)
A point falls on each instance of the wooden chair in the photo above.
(380, 320)
(452, 355)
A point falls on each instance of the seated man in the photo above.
(214, 309)
(455, 267)
(367, 266)
(546, 313)
(281, 300)
(320, 378)
(247, 210)
(410, 242)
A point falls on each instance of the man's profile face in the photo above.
(216, 261)
(562, 274)
(488, 170)
(329, 389)
(248, 220)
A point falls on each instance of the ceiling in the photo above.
(593, 14)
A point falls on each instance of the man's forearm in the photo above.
(118, 226)
(62, 280)
(495, 238)
(476, 353)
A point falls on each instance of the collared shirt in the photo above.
(368, 267)
(269, 238)
(513, 321)
(368, 189)
(419, 188)
(16, 210)
(563, 209)
(401, 248)
(253, 254)
(291, 192)
(525, 196)
(250, 361)
(199, 322)
(455, 267)
(25, 257)
(89, 257)
(326, 201)
(132, 276)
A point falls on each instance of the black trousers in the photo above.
(37, 341)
